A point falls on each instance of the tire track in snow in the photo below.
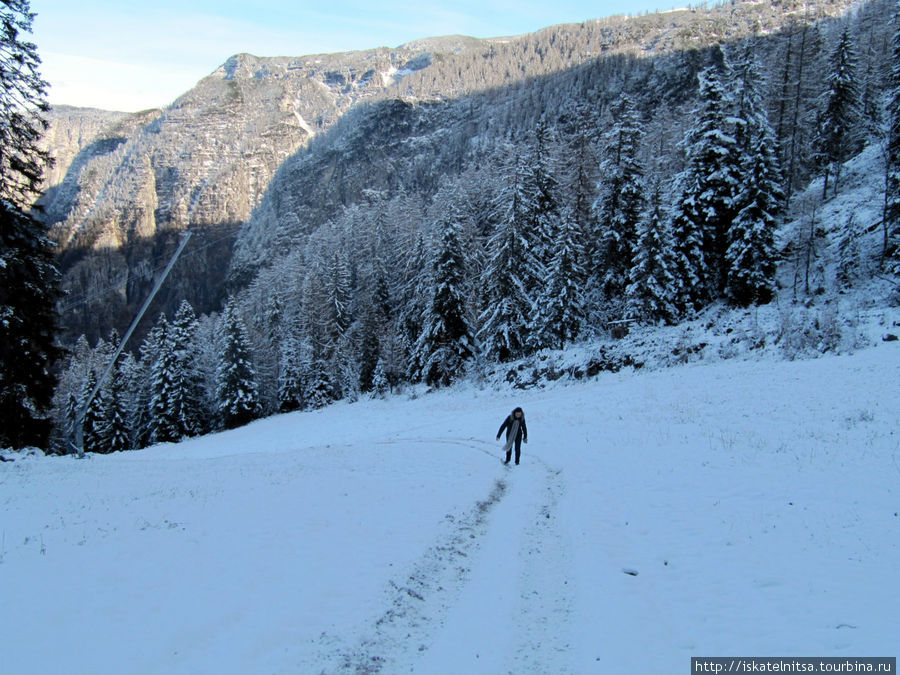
(447, 611)
(420, 598)
(547, 591)
(514, 613)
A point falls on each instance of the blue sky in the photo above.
(124, 55)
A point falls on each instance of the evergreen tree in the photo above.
(187, 395)
(413, 298)
(380, 383)
(581, 185)
(649, 294)
(689, 260)
(751, 252)
(620, 202)
(447, 341)
(711, 187)
(391, 366)
(236, 393)
(338, 291)
(29, 279)
(22, 104)
(94, 423)
(377, 311)
(750, 257)
(891, 220)
(320, 390)
(540, 189)
(117, 432)
(142, 416)
(561, 307)
(370, 329)
(130, 374)
(870, 105)
(511, 280)
(344, 370)
(294, 373)
(163, 420)
(70, 419)
(264, 331)
(838, 134)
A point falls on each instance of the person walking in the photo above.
(516, 432)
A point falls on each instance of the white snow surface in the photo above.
(742, 507)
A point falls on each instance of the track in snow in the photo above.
(491, 594)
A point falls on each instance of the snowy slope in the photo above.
(740, 507)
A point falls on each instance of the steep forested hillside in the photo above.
(117, 206)
(472, 202)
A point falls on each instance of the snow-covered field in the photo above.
(738, 508)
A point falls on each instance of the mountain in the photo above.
(126, 186)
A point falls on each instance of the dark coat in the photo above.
(507, 424)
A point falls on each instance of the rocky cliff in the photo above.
(124, 186)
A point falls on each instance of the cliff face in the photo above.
(124, 186)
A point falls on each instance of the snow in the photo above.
(737, 507)
(302, 122)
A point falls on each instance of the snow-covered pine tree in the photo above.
(580, 185)
(379, 320)
(29, 279)
(236, 393)
(651, 284)
(344, 369)
(751, 254)
(838, 133)
(130, 374)
(293, 372)
(94, 423)
(141, 421)
(376, 310)
(369, 331)
(69, 392)
(871, 96)
(690, 266)
(264, 330)
(560, 313)
(163, 419)
(416, 280)
(338, 291)
(380, 384)
(891, 220)
(117, 429)
(320, 390)
(540, 193)
(207, 364)
(70, 415)
(511, 279)
(187, 398)
(711, 186)
(447, 341)
(391, 364)
(620, 203)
